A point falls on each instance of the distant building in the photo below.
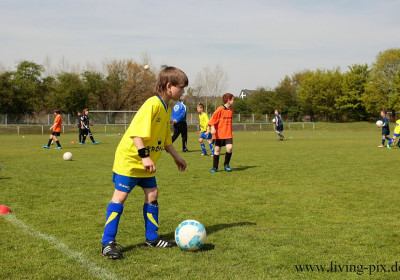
(245, 93)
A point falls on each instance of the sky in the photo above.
(256, 42)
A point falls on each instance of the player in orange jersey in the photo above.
(56, 127)
(221, 129)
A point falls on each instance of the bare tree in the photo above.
(211, 83)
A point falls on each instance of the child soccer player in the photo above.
(204, 131)
(79, 125)
(385, 128)
(395, 135)
(221, 129)
(56, 127)
(279, 124)
(85, 121)
(136, 157)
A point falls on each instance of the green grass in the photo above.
(328, 195)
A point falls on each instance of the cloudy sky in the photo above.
(257, 42)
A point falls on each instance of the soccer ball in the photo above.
(273, 120)
(67, 156)
(146, 67)
(190, 235)
(379, 123)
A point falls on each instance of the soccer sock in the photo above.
(203, 148)
(280, 134)
(58, 143)
(388, 138)
(227, 158)
(114, 211)
(211, 148)
(150, 215)
(83, 139)
(91, 138)
(49, 143)
(215, 161)
(383, 141)
(80, 138)
(390, 141)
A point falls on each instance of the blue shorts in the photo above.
(204, 136)
(126, 184)
(279, 127)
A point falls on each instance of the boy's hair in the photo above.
(226, 97)
(57, 111)
(79, 111)
(173, 75)
(384, 111)
(276, 110)
(201, 105)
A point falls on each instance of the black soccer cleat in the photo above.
(111, 250)
(159, 242)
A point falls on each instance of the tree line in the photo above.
(123, 85)
(330, 95)
(323, 94)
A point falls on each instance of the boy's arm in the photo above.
(180, 162)
(147, 162)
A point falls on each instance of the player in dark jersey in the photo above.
(85, 124)
(79, 125)
(279, 124)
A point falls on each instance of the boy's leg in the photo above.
(184, 136)
(150, 215)
(56, 139)
(228, 156)
(80, 136)
(202, 146)
(114, 212)
(176, 132)
(211, 146)
(216, 159)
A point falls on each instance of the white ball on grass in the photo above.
(67, 156)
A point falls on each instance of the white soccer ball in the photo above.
(379, 123)
(146, 67)
(190, 235)
(273, 120)
(67, 156)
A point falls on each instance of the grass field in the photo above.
(327, 197)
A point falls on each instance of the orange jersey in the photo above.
(57, 124)
(222, 122)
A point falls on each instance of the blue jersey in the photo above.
(385, 126)
(179, 112)
(279, 119)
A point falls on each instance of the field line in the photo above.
(94, 269)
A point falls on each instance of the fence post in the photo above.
(313, 126)
(266, 118)
(239, 117)
(252, 116)
(303, 125)
(6, 119)
(48, 119)
(105, 129)
(260, 127)
(42, 130)
(18, 129)
(289, 126)
(245, 127)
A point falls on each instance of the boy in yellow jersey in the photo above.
(204, 131)
(395, 135)
(136, 157)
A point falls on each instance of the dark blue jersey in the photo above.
(279, 119)
(385, 126)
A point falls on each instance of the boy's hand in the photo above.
(181, 163)
(149, 165)
(213, 131)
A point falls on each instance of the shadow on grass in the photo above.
(5, 178)
(242, 168)
(209, 229)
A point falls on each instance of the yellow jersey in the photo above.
(397, 127)
(203, 117)
(152, 124)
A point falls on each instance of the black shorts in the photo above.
(223, 142)
(279, 127)
(56, 133)
(86, 131)
(385, 131)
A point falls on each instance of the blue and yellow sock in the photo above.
(211, 148)
(203, 148)
(114, 211)
(150, 215)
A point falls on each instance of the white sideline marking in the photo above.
(94, 269)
